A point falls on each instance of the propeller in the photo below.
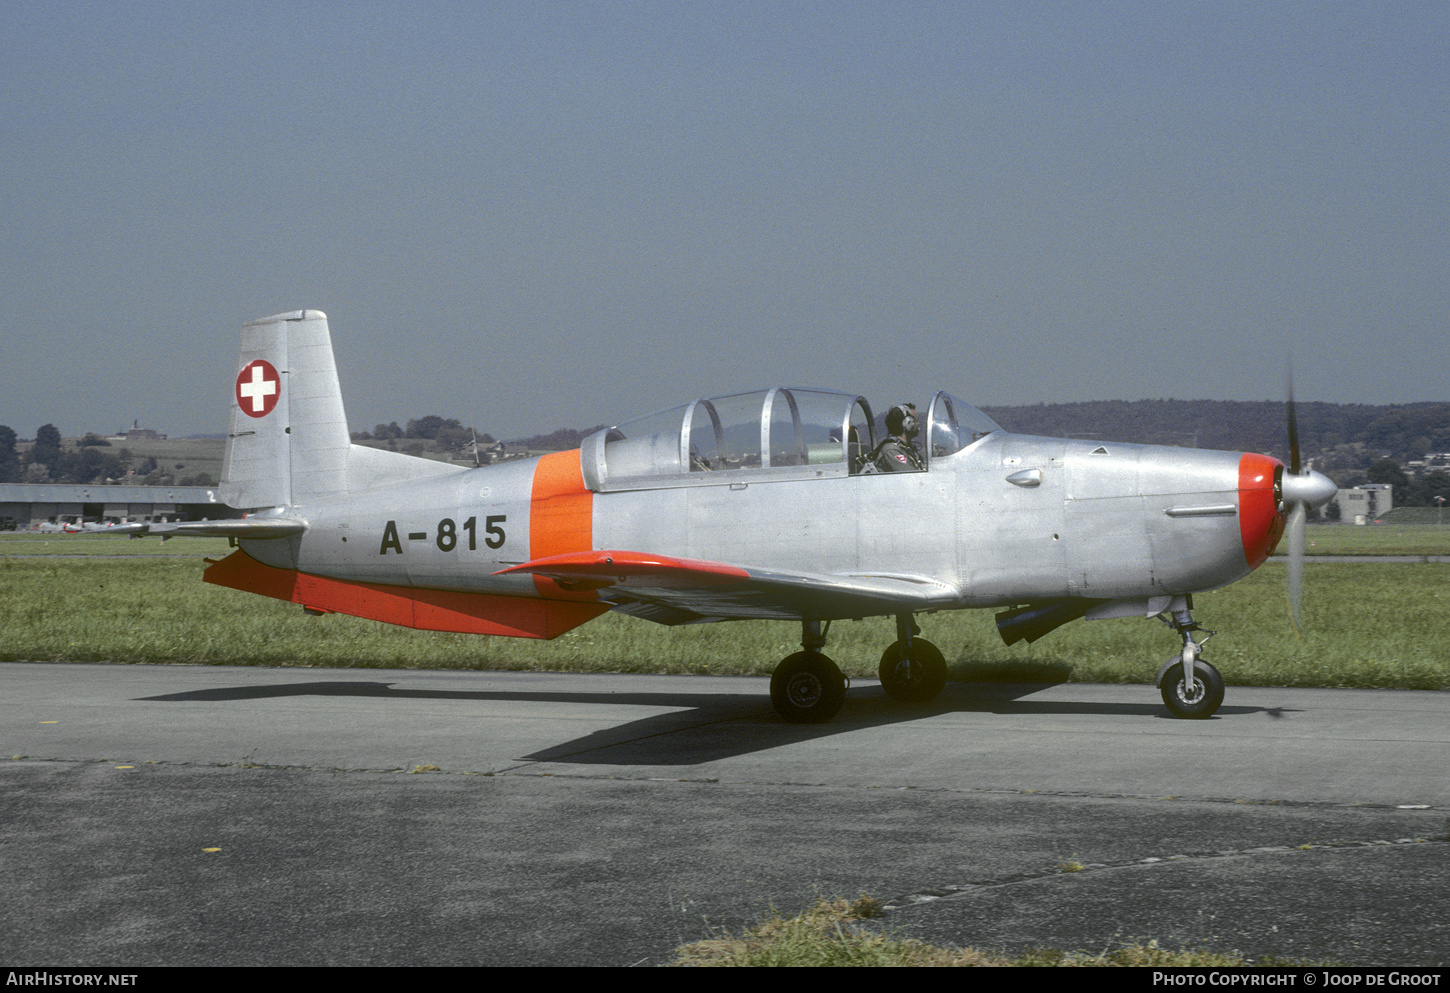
(1300, 488)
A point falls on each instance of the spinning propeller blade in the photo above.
(1300, 488)
(1295, 532)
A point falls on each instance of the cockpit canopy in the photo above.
(781, 433)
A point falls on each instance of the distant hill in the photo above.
(556, 441)
(138, 462)
(1343, 439)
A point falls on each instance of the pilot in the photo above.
(897, 452)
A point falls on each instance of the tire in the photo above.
(918, 679)
(807, 688)
(1202, 700)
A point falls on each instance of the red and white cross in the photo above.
(258, 388)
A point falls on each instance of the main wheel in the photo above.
(807, 688)
(914, 679)
(1198, 701)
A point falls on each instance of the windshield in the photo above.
(953, 424)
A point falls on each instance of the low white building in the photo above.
(1362, 504)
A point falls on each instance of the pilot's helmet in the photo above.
(901, 420)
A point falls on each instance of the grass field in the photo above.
(37, 544)
(1366, 625)
(178, 456)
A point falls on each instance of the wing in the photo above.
(672, 590)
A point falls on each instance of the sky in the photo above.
(529, 216)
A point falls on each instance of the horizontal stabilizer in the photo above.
(429, 610)
(249, 528)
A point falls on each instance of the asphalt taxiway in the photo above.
(206, 815)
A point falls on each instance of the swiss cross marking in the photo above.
(258, 388)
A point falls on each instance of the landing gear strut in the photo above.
(807, 687)
(1191, 687)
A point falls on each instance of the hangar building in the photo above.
(35, 503)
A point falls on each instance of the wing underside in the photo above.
(670, 590)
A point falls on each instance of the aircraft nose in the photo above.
(1314, 489)
(1260, 522)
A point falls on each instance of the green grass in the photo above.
(829, 934)
(1366, 625)
(1408, 531)
(35, 543)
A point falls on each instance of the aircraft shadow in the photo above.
(702, 727)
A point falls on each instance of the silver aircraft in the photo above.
(753, 505)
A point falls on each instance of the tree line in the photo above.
(1351, 443)
(447, 434)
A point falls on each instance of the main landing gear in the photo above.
(808, 688)
(1191, 687)
(912, 669)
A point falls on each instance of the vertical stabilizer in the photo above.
(288, 441)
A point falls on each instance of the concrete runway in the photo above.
(160, 815)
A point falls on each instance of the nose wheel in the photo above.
(1192, 700)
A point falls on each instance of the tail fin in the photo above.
(288, 443)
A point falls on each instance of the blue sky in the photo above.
(536, 215)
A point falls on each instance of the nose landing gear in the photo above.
(1191, 688)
